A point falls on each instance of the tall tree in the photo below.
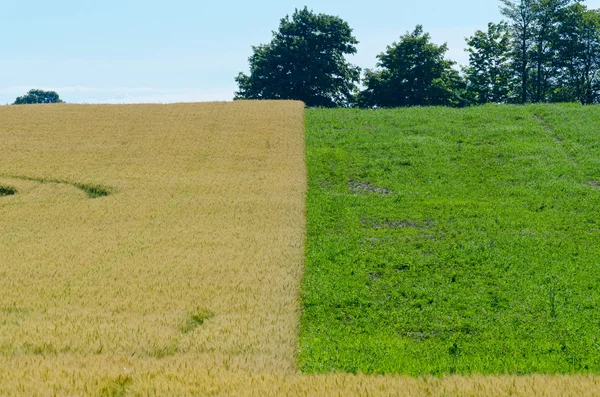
(412, 72)
(546, 22)
(488, 73)
(305, 60)
(38, 96)
(578, 49)
(521, 16)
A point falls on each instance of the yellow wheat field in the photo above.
(184, 280)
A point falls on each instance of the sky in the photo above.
(149, 51)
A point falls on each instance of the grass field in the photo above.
(453, 241)
(159, 250)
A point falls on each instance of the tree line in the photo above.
(34, 96)
(544, 51)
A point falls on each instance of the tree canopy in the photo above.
(305, 61)
(545, 51)
(488, 73)
(412, 72)
(548, 51)
(38, 96)
(578, 56)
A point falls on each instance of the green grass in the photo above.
(92, 191)
(196, 319)
(117, 387)
(7, 191)
(453, 241)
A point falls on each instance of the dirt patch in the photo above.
(395, 224)
(365, 187)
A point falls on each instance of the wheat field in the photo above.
(158, 250)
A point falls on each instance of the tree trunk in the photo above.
(524, 70)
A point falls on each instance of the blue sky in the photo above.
(137, 51)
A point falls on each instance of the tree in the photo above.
(488, 73)
(546, 22)
(413, 72)
(38, 96)
(522, 18)
(578, 59)
(305, 61)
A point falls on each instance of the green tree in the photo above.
(305, 61)
(412, 72)
(38, 96)
(521, 16)
(488, 73)
(547, 18)
(578, 49)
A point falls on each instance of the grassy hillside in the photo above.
(453, 241)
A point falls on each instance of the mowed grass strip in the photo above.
(446, 241)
